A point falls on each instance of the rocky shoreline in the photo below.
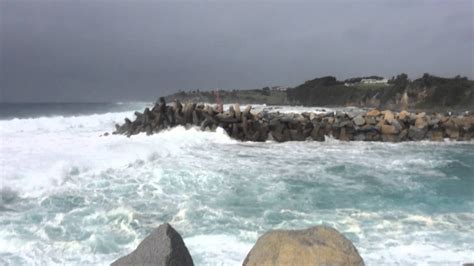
(245, 125)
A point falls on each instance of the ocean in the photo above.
(71, 196)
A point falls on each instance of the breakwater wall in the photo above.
(242, 123)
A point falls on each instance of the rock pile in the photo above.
(245, 125)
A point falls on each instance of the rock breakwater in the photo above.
(246, 125)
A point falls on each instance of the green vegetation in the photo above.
(457, 91)
(371, 86)
(427, 92)
(328, 91)
(257, 96)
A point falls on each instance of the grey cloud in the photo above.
(134, 50)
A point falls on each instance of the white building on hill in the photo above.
(374, 81)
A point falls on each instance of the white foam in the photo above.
(200, 182)
(217, 249)
(40, 154)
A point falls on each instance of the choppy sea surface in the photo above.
(70, 196)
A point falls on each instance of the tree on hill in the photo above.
(266, 91)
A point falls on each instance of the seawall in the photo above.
(246, 125)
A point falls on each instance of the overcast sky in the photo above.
(137, 50)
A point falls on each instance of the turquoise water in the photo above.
(69, 196)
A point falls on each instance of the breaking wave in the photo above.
(69, 195)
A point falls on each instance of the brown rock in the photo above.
(448, 123)
(421, 122)
(388, 116)
(437, 136)
(319, 245)
(453, 133)
(403, 115)
(389, 130)
(237, 110)
(373, 112)
(442, 118)
(421, 115)
(344, 135)
(469, 122)
(461, 122)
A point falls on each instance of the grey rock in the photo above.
(329, 114)
(346, 123)
(164, 246)
(195, 118)
(370, 120)
(359, 120)
(339, 114)
(296, 135)
(415, 133)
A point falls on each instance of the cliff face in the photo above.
(434, 92)
(427, 92)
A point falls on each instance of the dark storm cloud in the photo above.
(133, 50)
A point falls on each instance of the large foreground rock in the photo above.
(164, 246)
(319, 245)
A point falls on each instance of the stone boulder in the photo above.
(415, 133)
(359, 120)
(164, 246)
(319, 245)
(389, 130)
(453, 133)
(403, 115)
(436, 136)
(388, 115)
(373, 112)
(370, 120)
(421, 123)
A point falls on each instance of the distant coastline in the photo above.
(427, 93)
